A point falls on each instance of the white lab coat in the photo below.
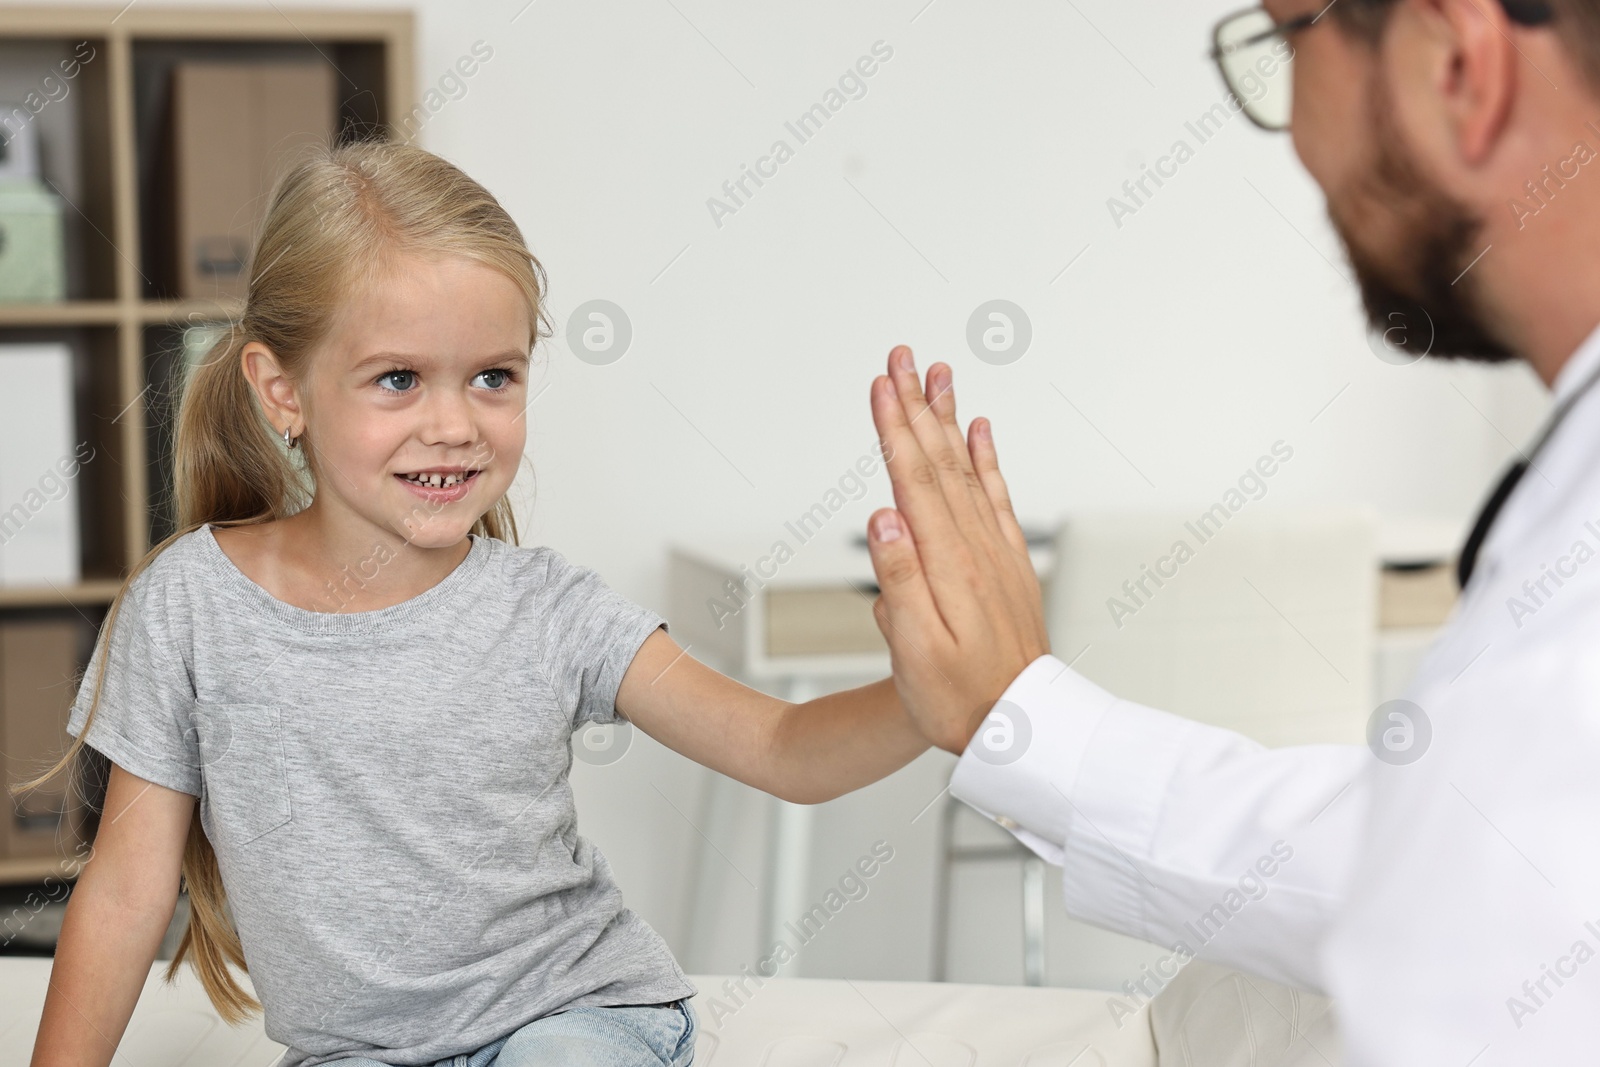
(1450, 905)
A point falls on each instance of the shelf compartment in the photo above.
(70, 117)
(358, 102)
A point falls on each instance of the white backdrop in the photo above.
(978, 165)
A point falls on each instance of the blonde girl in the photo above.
(346, 664)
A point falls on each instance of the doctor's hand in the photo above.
(960, 604)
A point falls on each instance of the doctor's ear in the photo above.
(1453, 67)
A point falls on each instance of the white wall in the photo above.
(1212, 323)
(1208, 326)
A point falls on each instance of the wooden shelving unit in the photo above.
(120, 324)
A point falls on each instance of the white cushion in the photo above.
(1210, 1016)
(800, 1022)
(788, 1022)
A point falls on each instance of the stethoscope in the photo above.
(1492, 507)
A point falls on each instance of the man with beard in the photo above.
(1442, 883)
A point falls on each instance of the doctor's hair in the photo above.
(1576, 22)
(337, 224)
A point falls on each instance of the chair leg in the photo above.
(944, 860)
(1033, 872)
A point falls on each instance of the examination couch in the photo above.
(1206, 1017)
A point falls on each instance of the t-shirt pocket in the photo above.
(243, 769)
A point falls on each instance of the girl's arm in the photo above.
(803, 753)
(116, 917)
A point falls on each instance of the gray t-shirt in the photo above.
(387, 792)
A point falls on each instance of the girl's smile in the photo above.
(440, 485)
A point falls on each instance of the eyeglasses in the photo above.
(1253, 54)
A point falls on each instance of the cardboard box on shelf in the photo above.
(234, 127)
(38, 660)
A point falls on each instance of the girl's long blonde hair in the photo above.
(336, 220)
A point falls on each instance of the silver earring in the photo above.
(291, 442)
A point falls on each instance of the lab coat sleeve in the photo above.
(1175, 831)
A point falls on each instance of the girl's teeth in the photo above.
(437, 481)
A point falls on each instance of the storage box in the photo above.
(234, 127)
(32, 243)
(39, 462)
(19, 142)
(38, 659)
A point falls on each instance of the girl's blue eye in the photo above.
(395, 373)
(506, 378)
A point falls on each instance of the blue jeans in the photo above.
(653, 1036)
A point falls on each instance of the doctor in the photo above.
(1443, 884)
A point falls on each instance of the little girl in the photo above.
(371, 689)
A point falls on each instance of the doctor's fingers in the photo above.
(1001, 570)
(942, 398)
(948, 457)
(1001, 567)
(980, 443)
(906, 605)
(919, 492)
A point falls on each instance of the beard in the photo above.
(1420, 284)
